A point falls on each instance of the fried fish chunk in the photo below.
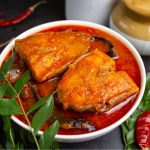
(92, 84)
(48, 54)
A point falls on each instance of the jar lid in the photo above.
(141, 7)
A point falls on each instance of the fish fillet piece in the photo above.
(92, 84)
(48, 54)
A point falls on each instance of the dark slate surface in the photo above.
(52, 11)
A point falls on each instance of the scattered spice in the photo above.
(21, 17)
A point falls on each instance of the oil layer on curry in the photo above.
(95, 76)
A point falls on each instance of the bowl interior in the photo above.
(95, 134)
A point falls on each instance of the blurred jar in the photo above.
(97, 11)
(131, 18)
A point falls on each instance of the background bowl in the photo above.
(142, 46)
(95, 134)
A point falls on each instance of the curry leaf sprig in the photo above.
(10, 104)
(128, 127)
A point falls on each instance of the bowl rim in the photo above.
(91, 135)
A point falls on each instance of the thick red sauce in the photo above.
(126, 62)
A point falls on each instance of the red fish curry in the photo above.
(95, 76)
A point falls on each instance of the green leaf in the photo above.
(9, 107)
(9, 133)
(38, 104)
(20, 145)
(42, 115)
(30, 138)
(132, 147)
(148, 81)
(55, 145)
(7, 65)
(22, 81)
(124, 132)
(1, 76)
(9, 145)
(2, 90)
(9, 91)
(147, 106)
(47, 138)
(130, 136)
(147, 94)
(127, 124)
(131, 123)
(23, 135)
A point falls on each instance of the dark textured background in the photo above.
(52, 11)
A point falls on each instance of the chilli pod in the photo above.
(143, 130)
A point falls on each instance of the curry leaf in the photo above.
(148, 81)
(30, 138)
(20, 145)
(55, 145)
(1, 76)
(38, 104)
(47, 138)
(9, 107)
(132, 147)
(9, 91)
(42, 115)
(2, 90)
(7, 65)
(124, 132)
(9, 145)
(9, 133)
(130, 136)
(21, 82)
(131, 123)
(23, 135)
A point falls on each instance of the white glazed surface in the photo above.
(97, 11)
(142, 46)
(96, 134)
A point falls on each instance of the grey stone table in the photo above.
(52, 11)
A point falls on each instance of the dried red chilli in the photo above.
(143, 130)
(21, 17)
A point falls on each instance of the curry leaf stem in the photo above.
(12, 140)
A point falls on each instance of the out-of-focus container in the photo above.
(97, 11)
(131, 18)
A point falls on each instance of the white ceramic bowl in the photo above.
(96, 134)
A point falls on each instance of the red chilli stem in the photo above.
(32, 8)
